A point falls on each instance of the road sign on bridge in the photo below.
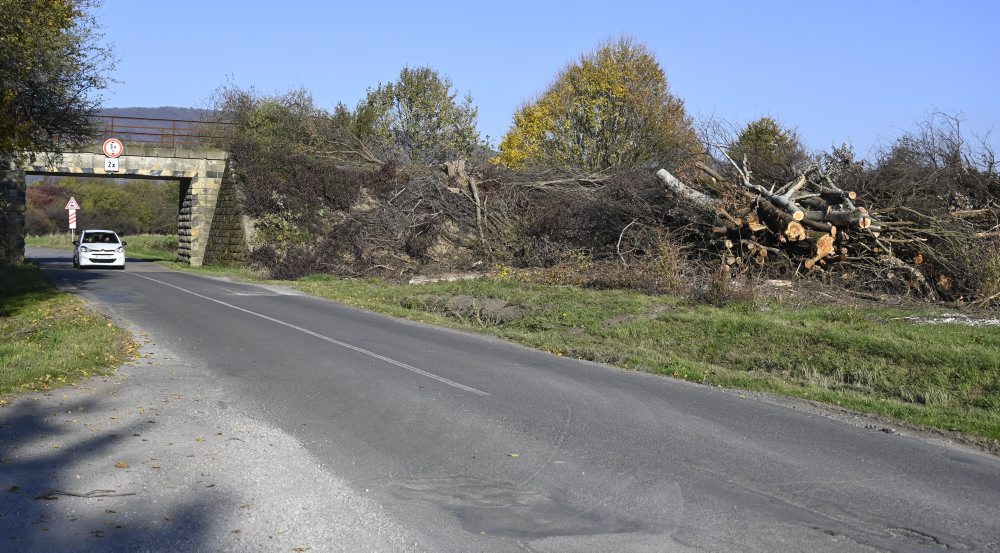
(113, 147)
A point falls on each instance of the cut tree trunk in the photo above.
(780, 223)
(855, 218)
(684, 191)
(822, 246)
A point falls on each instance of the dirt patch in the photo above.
(487, 311)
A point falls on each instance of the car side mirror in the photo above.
(76, 242)
(124, 243)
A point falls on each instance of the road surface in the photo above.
(475, 444)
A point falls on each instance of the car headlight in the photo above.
(84, 249)
(120, 249)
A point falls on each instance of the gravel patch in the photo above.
(156, 458)
(953, 318)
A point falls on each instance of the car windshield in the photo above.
(100, 238)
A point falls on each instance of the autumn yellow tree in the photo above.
(610, 109)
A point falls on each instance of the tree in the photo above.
(418, 119)
(50, 68)
(774, 153)
(611, 109)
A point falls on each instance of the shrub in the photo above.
(720, 289)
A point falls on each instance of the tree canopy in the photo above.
(611, 109)
(419, 119)
(773, 152)
(50, 68)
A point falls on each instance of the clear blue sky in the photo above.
(859, 71)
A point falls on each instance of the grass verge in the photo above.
(945, 376)
(140, 246)
(868, 359)
(52, 338)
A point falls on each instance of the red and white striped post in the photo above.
(72, 206)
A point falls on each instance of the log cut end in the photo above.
(794, 232)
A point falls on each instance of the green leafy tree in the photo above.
(774, 153)
(50, 69)
(419, 119)
(610, 109)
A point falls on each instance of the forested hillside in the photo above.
(162, 112)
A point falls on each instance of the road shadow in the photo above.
(60, 488)
(58, 268)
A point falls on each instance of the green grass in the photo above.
(51, 338)
(140, 246)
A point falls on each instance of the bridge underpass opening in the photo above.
(129, 206)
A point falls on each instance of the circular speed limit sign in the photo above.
(113, 147)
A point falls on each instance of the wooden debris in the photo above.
(811, 223)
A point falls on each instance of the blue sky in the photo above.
(836, 71)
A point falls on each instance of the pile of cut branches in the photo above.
(810, 226)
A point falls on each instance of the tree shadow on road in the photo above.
(68, 485)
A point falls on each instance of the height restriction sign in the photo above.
(113, 147)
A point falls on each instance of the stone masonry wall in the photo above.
(226, 241)
(12, 208)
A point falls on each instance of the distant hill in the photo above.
(162, 112)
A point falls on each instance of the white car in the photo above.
(99, 248)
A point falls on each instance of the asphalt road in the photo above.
(475, 444)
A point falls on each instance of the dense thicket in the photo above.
(574, 195)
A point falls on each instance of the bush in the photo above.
(987, 274)
(773, 153)
(932, 170)
(721, 289)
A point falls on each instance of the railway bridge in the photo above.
(209, 226)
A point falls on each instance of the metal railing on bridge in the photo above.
(167, 133)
